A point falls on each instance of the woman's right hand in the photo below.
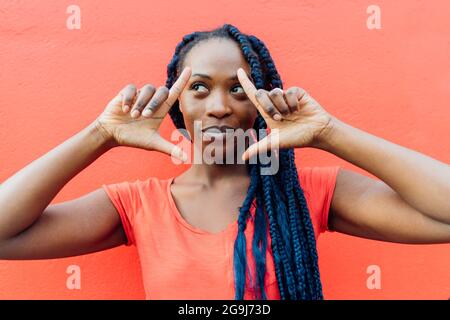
(126, 121)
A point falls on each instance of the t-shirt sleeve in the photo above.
(125, 197)
(319, 183)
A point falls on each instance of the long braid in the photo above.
(240, 245)
(294, 225)
(287, 160)
(269, 187)
(278, 197)
(260, 244)
(293, 213)
(313, 268)
(267, 183)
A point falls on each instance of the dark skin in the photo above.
(396, 208)
(361, 206)
(208, 195)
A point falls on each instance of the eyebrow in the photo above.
(208, 77)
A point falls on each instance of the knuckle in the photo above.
(154, 103)
(304, 95)
(276, 92)
(163, 92)
(270, 109)
(176, 90)
(292, 90)
(163, 89)
(167, 103)
(148, 87)
(259, 93)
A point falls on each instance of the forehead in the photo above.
(216, 57)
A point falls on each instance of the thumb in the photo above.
(269, 142)
(162, 145)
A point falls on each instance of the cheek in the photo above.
(250, 113)
(191, 112)
(189, 105)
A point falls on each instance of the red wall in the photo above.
(393, 82)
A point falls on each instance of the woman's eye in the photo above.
(195, 85)
(242, 90)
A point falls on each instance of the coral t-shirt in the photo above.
(180, 261)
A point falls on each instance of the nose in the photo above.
(218, 106)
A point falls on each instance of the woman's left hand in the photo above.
(302, 121)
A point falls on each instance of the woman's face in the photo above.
(213, 95)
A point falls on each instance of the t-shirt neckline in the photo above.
(231, 228)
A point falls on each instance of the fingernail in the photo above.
(135, 114)
(126, 108)
(277, 117)
(147, 113)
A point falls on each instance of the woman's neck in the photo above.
(211, 175)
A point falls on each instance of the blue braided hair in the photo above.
(281, 207)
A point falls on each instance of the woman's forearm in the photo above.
(26, 194)
(423, 182)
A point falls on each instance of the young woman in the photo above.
(223, 231)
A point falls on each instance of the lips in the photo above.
(217, 129)
(218, 132)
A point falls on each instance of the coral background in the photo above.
(393, 82)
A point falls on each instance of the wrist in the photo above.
(102, 136)
(324, 139)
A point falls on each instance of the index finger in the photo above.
(249, 89)
(179, 85)
(174, 92)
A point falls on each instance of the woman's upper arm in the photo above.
(369, 208)
(87, 224)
